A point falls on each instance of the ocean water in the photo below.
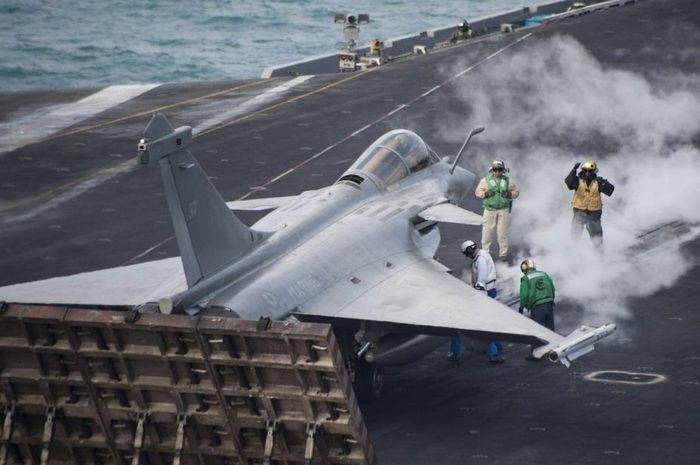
(54, 44)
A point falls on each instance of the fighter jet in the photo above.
(358, 254)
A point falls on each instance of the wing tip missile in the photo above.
(578, 343)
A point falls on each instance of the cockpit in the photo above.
(395, 155)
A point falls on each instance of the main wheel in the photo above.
(369, 381)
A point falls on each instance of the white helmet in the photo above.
(468, 248)
(526, 265)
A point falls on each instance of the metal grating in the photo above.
(82, 386)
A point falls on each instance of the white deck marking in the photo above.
(73, 192)
(47, 121)
(147, 251)
(249, 105)
(633, 378)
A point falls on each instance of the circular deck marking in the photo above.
(625, 377)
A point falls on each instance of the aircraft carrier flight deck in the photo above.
(73, 199)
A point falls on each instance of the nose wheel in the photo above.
(369, 381)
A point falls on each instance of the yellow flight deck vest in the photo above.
(587, 196)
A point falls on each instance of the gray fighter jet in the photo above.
(358, 254)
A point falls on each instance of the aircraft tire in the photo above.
(369, 381)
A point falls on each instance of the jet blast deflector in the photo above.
(86, 386)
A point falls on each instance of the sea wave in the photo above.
(85, 43)
(225, 20)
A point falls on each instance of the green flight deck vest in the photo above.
(536, 287)
(499, 187)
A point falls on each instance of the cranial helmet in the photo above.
(590, 165)
(468, 248)
(498, 164)
(526, 265)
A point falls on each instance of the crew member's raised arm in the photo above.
(571, 180)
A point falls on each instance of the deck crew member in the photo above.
(463, 32)
(537, 295)
(497, 191)
(483, 279)
(375, 48)
(587, 203)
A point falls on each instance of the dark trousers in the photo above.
(544, 315)
(590, 220)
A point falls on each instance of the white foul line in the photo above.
(46, 121)
(73, 192)
(249, 105)
(147, 251)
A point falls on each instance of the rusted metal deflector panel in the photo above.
(85, 386)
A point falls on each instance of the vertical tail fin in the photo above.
(208, 234)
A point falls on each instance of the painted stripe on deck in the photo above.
(250, 105)
(47, 121)
(83, 185)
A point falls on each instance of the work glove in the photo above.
(508, 195)
(479, 287)
(576, 166)
(488, 194)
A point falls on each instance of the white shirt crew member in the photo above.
(484, 270)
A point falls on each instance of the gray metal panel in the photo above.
(268, 203)
(449, 213)
(124, 285)
(210, 230)
(193, 271)
(423, 299)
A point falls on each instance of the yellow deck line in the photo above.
(285, 102)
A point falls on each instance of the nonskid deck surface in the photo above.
(77, 202)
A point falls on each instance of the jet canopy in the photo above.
(395, 155)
